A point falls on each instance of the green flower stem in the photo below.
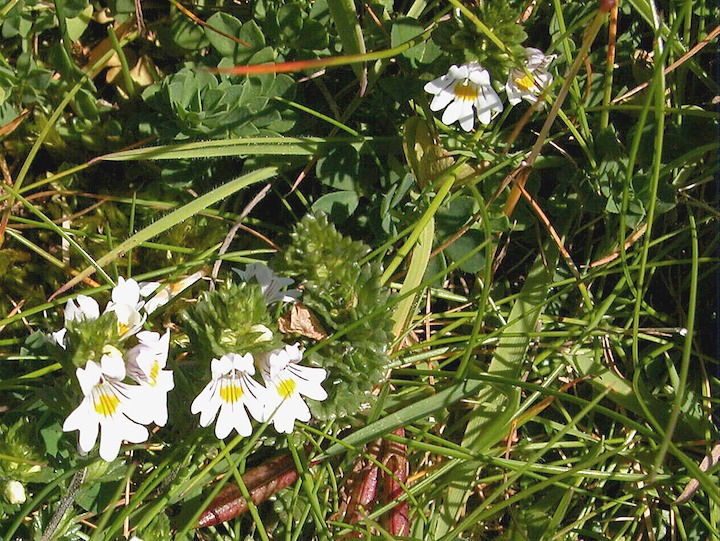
(420, 226)
(567, 50)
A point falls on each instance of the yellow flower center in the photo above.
(286, 388)
(154, 374)
(525, 83)
(230, 392)
(122, 328)
(106, 403)
(463, 90)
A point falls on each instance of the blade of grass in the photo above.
(347, 24)
(253, 146)
(413, 279)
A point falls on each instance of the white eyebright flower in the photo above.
(462, 89)
(271, 284)
(163, 296)
(126, 304)
(113, 407)
(529, 85)
(231, 390)
(286, 381)
(81, 309)
(145, 363)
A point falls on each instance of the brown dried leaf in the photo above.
(300, 320)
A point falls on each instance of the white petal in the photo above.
(487, 104)
(438, 85)
(312, 390)
(84, 419)
(88, 436)
(89, 376)
(58, 337)
(86, 308)
(148, 288)
(115, 430)
(479, 77)
(232, 416)
(220, 367)
(243, 363)
(112, 364)
(126, 292)
(455, 110)
(459, 72)
(138, 402)
(254, 398)
(291, 409)
(205, 398)
(442, 100)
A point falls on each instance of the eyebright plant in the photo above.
(529, 82)
(346, 295)
(468, 88)
(124, 388)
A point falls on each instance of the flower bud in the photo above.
(14, 492)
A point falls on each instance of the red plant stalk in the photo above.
(397, 522)
(262, 482)
(363, 483)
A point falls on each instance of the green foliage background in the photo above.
(555, 368)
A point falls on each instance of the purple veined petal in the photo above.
(255, 397)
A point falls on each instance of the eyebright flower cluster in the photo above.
(232, 389)
(466, 91)
(123, 392)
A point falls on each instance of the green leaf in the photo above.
(405, 29)
(419, 409)
(223, 22)
(450, 220)
(339, 168)
(338, 205)
(51, 435)
(76, 26)
(416, 271)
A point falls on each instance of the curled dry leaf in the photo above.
(300, 320)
